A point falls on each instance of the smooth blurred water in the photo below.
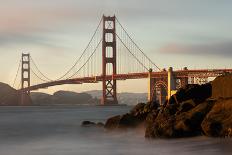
(57, 131)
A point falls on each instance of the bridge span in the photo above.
(118, 58)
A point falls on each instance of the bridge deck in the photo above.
(162, 74)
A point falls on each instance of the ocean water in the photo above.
(57, 131)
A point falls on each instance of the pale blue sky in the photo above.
(178, 33)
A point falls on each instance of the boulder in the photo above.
(186, 106)
(188, 123)
(124, 121)
(129, 121)
(134, 118)
(138, 109)
(162, 125)
(170, 123)
(91, 124)
(100, 124)
(113, 122)
(195, 92)
(218, 122)
(87, 123)
(149, 123)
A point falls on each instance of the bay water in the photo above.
(57, 130)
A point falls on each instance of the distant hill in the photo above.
(123, 98)
(62, 97)
(88, 97)
(10, 97)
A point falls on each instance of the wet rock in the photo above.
(124, 121)
(189, 123)
(170, 123)
(100, 124)
(162, 126)
(134, 118)
(88, 124)
(186, 106)
(149, 123)
(218, 122)
(138, 109)
(113, 122)
(92, 124)
(128, 121)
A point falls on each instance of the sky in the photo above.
(177, 33)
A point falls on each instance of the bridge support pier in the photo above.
(157, 89)
(184, 80)
(171, 82)
(25, 78)
(151, 88)
(162, 95)
(109, 86)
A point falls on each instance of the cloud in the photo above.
(222, 49)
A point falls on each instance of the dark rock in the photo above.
(124, 121)
(186, 106)
(197, 93)
(138, 109)
(189, 123)
(163, 124)
(92, 124)
(218, 122)
(129, 121)
(100, 124)
(113, 122)
(88, 123)
(134, 118)
(170, 124)
(150, 120)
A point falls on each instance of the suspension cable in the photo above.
(38, 76)
(132, 53)
(86, 60)
(83, 51)
(39, 70)
(20, 62)
(136, 44)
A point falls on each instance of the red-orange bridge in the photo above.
(111, 56)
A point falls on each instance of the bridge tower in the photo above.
(25, 77)
(109, 86)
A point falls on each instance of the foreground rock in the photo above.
(218, 122)
(194, 92)
(194, 110)
(91, 124)
(134, 118)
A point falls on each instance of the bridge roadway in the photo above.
(201, 73)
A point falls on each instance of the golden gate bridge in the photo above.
(109, 56)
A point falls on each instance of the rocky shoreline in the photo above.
(194, 110)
